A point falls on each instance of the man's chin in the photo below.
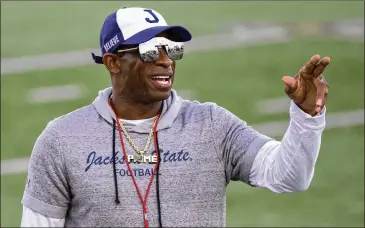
(161, 95)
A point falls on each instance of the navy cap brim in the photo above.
(97, 59)
(178, 34)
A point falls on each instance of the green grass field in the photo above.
(237, 80)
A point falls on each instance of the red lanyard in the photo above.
(143, 200)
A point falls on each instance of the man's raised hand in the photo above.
(308, 88)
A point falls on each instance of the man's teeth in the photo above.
(163, 82)
(161, 77)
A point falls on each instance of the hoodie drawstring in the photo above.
(157, 182)
(114, 172)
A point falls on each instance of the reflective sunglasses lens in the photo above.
(175, 51)
(150, 55)
(148, 52)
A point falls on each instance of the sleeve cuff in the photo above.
(251, 154)
(43, 208)
(307, 121)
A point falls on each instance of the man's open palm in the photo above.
(309, 89)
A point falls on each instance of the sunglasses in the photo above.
(149, 50)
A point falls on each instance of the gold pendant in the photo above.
(137, 159)
(134, 159)
(150, 159)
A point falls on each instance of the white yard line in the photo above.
(14, 166)
(56, 93)
(335, 120)
(273, 105)
(272, 129)
(238, 37)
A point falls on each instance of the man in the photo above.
(140, 155)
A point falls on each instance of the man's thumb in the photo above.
(290, 83)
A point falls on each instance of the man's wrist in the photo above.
(310, 112)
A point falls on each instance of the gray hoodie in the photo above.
(202, 147)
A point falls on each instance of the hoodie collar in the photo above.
(170, 110)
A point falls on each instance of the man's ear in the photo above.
(111, 62)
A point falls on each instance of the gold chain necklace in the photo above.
(139, 152)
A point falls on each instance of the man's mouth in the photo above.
(161, 81)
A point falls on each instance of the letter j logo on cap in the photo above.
(155, 18)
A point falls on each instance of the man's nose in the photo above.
(164, 59)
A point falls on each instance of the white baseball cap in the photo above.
(135, 25)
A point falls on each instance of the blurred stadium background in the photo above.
(240, 52)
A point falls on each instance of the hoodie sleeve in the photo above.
(236, 142)
(46, 190)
